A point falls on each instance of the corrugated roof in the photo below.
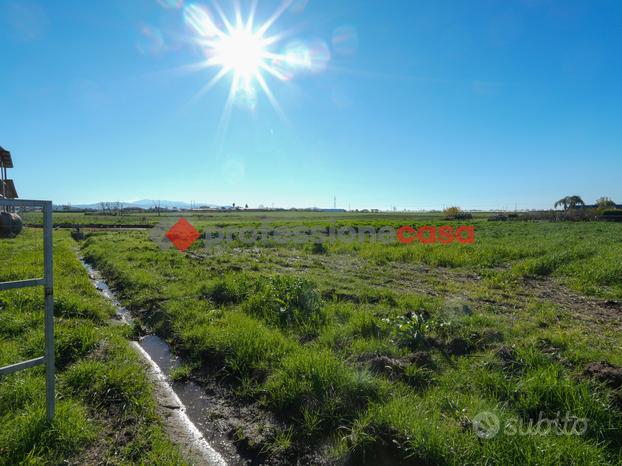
(5, 158)
(9, 188)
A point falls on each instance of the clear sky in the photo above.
(405, 103)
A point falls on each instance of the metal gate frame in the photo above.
(48, 286)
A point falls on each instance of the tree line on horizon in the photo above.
(572, 202)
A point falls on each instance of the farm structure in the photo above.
(7, 186)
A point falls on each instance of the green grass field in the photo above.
(105, 410)
(385, 354)
(235, 217)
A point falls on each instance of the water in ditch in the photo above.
(194, 403)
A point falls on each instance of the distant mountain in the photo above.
(149, 204)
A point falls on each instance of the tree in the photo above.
(563, 202)
(605, 203)
(456, 213)
(116, 207)
(575, 201)
(570, 202)
(107, 208)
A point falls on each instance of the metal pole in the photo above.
(48, 269)
(3, 176)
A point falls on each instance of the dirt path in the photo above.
(584, 308)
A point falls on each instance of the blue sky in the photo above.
(482, 104)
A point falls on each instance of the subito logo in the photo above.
(486, 425)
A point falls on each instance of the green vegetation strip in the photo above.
(106, 413)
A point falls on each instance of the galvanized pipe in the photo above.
(21, 284)
(48, 275)
(48, 286)
(6, 370)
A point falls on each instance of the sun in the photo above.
(241, 52)
(248, 53)
(239, 49)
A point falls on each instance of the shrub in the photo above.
(456, 213)
(604, 203)
(315, 381)
(27, 433)
(239, 343)
(546, 391)
(612, 215)
(578, 214)
(181, 373)
(103, 385)
(229, 289)
(74, 340)
(409, 330)
(287, 301)
(318, 248)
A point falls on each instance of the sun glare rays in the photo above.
(248, 51)
(240, 50)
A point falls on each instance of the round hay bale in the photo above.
(10, 225)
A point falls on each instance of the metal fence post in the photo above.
(48, 270)
(48, 283)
